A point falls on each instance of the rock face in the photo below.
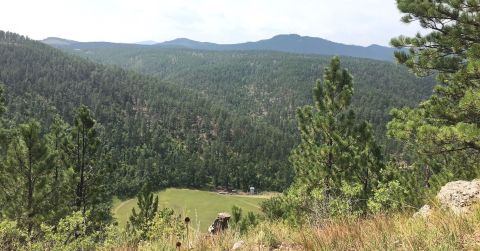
(459, 195)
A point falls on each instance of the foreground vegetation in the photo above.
(440, 231)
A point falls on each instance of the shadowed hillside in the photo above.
(269, 86)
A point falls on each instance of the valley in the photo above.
(250, 125)
(266, 86)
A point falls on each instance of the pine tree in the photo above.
(367, 163)
(59, 142)
(85, 140)
(336, 158)
(25, 176)
(324, 129)
(93, 168)
(148, 207)
(443, 132)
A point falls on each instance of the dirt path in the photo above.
(115, 212)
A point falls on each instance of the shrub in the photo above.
(11, 237)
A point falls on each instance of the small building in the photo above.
(252, 190)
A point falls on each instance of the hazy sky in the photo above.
(361, 22)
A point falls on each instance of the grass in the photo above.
(440, 231)
(201, 206)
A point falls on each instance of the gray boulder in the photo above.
(459, 196)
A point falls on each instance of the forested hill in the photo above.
(156, 132)
(292, 43)
(269, 86)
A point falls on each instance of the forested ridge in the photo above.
(199, 118)
(156, 132)
(78, 130)
(268, 86)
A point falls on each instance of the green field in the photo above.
(201, 206)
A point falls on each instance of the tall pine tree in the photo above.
(85, 141)
(59, 143)
(25, 176)
(442, 133)
(92, 168)
(336, 158)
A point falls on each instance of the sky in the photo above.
(359, 22)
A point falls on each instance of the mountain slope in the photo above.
(156, 132)
(284, 43)
(269, 86)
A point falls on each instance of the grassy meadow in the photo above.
(201, 206)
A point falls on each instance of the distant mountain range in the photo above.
(292, 43)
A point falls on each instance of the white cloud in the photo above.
(223, 21)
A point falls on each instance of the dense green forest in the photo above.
(269, 86)
(155, 132)
(204, 119)
(79, 128)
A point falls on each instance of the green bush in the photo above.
(11, 237)
(243, 224)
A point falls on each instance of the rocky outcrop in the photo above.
(459, 196)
